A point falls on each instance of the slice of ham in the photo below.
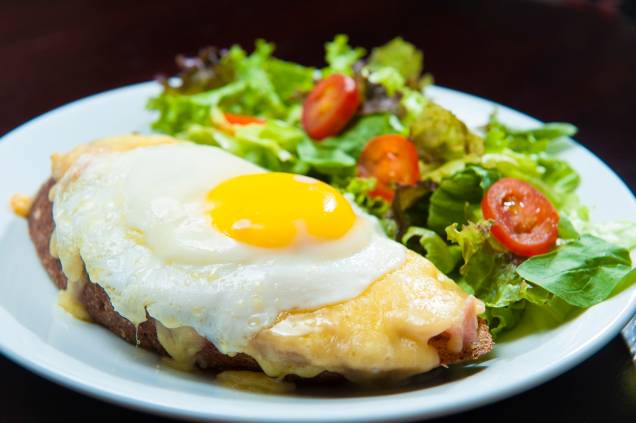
(464, 330)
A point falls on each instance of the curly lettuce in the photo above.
(341, 57)
(441, 137)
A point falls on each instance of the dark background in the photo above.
(567, 60)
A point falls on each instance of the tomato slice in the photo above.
(525, 221)
(242, 119)
(330, 106)
(390, 159)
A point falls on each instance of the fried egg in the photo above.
(196, 237)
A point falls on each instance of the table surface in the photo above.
(554, 63)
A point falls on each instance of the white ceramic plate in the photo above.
(37, 334)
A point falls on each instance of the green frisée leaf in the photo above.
(272, 145)
(489, 273)
(340, 56)
(397, 68)
(177, 112)
(582, 272)
(440, 136)
(433, 247)
(389, 78)
(399, 55)
(413, 102)
(260, 96)
(359, 189)
(256, 84)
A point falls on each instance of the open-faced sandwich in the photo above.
(310, 223)
(200, 255)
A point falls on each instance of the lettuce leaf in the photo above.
(290, 80)
(440, 136)
(555, 178)
(487, 272)
(432, 246)
(259, 94)
(358, 189)
(620, 232)
(500, 137)
(177, 113)
(458, 197)
(501, 319)
(490, 273)
(338, 155)
(399, 56)
(340, 56)
(272, 145)
(410, 205)
(582, 272)
(256, 84)
(395, 65)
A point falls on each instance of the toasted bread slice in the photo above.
(98, 305)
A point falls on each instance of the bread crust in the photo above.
(98, 305)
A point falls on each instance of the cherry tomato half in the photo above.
(390, 159)
(242, 119)
(525, 221)
(330, 105)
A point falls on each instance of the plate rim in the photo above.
(553, 369)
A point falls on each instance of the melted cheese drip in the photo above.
(383, 333)
(70, 303)
(182, 343)
(21, 204)
(254, 382)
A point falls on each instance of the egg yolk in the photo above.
(271, 209)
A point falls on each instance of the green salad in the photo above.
(493, 209)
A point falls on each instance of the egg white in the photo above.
(136, 220)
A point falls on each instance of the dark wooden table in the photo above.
(558, 64)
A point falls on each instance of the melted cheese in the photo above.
(68, 299)
(21, 204)
(182, 343)
(60, 163)
(383, 333)
(253, 382)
